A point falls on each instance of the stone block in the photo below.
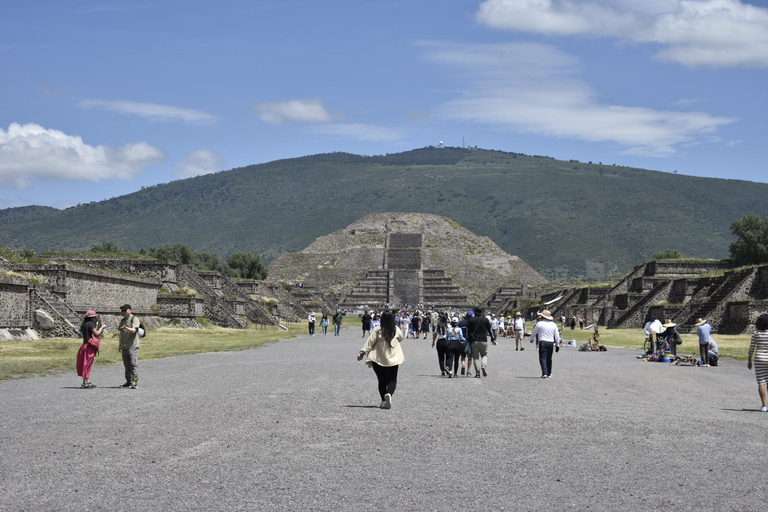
(44, 321)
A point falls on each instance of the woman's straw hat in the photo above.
(669, 324)
(700, 321)
(546, 314)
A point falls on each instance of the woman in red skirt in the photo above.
(91, 327)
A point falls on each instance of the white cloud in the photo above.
(367, 132)
(201, 161)
(32, 152)
(152, 111)
(293, 111)
(716, 33)
(534, 88)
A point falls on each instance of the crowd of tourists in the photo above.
(461, 341)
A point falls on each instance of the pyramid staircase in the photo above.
(734, 282)
(215, 306)
(56, 305)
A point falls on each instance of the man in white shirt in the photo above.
(548, 338)
(653, 328)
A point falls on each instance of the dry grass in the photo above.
(26, 358)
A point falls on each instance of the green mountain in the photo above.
(566, 219)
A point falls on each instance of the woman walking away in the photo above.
(547, 337)
(442, 348)
(324, 324)
(90, 328)
(456, 345)
(311, 322)
(384, 356)
(758, 349)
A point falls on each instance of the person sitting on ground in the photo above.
(714, 353)
(671, 336)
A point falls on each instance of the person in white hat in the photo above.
(671, 336)
(547, 337)
(703, 330)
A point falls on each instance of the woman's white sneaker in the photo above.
(387, 401)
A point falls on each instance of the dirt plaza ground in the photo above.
(295, 425)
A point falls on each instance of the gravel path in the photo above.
(296, 426)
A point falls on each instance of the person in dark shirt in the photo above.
(425, 322)
(366, 319)
(479, 330)
(416, 324)
(91, 327)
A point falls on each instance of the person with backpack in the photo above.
(91, 329)
(455, 346)
(129, 346)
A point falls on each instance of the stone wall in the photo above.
(180, 306)
(684, 268)
(14, 303)
(211, 278)
(162, 271)
(248, 286)
(238, 305)
(89, 288)
(741, 316)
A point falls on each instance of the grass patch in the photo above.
(30, 277)
(734, 346)
(32, 358)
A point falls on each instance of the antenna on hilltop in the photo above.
(440, 145)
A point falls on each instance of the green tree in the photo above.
(180, 253)
(669, 254)
(107, 246)
(247, 265)
(206, 260)
(751, 246)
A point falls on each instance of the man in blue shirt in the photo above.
(703, 330)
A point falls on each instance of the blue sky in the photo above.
(100, 98)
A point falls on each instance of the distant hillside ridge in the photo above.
(567, 219)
